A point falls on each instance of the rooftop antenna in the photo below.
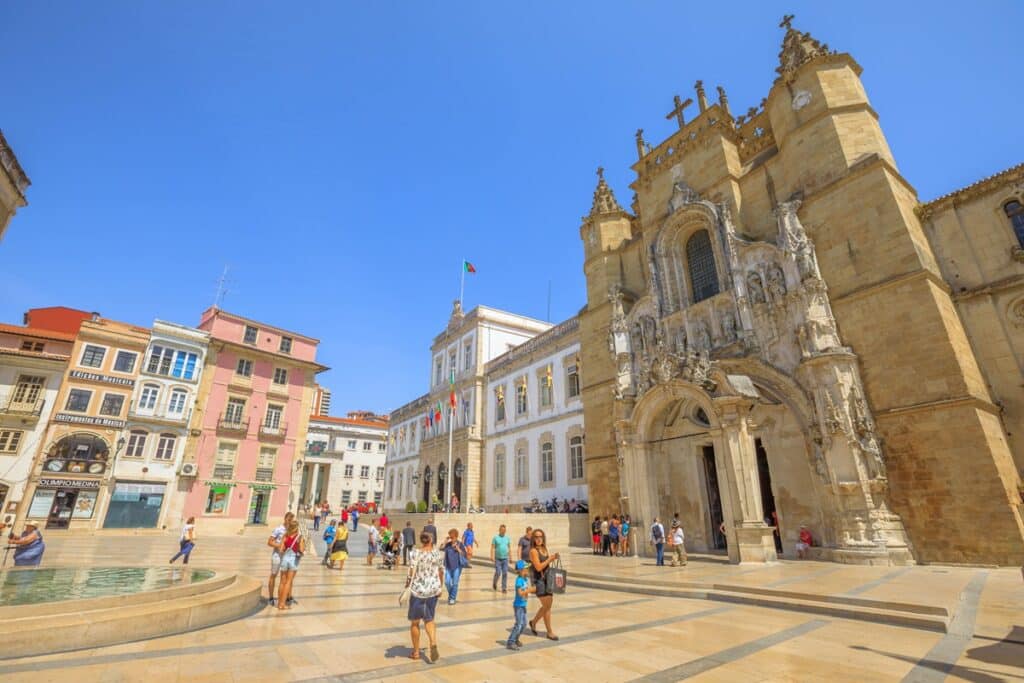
(222, 288)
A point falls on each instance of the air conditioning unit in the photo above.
(188, 469)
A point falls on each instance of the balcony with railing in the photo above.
(273, 430)
(161, 411)
(22, 408)
(232, 423)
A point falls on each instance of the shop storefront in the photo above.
(135, 506)
(259, 503)
(219, 497)
(59, 501)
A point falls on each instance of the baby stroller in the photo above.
(389, 554)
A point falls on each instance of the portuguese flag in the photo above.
(451, 384)
(468, 267)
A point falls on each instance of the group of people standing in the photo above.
(611, 536)
(676, 541)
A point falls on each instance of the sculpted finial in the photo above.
(640, 144)
(702, 99)
(787, 22)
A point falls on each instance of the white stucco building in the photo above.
(344, 460)
(145, 493)
(534, 427)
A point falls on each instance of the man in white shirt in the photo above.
(276, 536)
(373, 540)
(676, 541)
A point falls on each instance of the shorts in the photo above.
(422, 608)
(290, 561)
(275, 563)
(597, 538)
(541, 585)
(801, 546)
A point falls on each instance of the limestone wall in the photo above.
(562, 530)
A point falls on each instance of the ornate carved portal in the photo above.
(764, 362)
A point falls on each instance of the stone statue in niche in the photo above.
(792, 236)
(755, 290)
(806, 265)
(776, 282)
(638, 339)
(701, 336)
(833, 420)
(680, 340)
(649, 330)
(618, 314)
(728, 326)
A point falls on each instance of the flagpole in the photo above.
(451, 431)
(462, 280)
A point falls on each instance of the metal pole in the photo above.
(448, 473)
(462, 280)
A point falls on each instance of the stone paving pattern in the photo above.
(348, 627)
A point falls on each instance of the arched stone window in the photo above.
(700, 262)
(499, 468)
(547, 463)
(1015, 212)
(576, 458)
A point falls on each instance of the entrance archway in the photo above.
(442, 476)
(426, 485)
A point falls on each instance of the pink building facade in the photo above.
(250, 423)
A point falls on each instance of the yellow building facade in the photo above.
(778, 334)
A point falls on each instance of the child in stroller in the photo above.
(390, 553)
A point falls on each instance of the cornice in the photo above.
(12, 168)
(1014, 174)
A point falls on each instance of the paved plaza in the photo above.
(347, 626)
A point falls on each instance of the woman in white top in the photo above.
(426, 576)
(187, 541)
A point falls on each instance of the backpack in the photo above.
(656, 533)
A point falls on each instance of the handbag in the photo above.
(464, 559)
(555, 578)
(406, 593)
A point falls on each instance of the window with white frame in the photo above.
(377, 496)
(521, 397)
(273, 419)
(267, 458)
(78, 400)
(438, 370)
(224, 465)
(572, 381)
(381, 447)
(361, 497)
(545, 387)
(92, 356)
(352, 443)
(364, 472)
(165, 447)
(124, 361)
(348, 470)
(380, 474)
(160, 360)
(499, 469)
(136, 444)
(576, 458)
(452, 367)
(9, 440)
(499, 404)
(346, 497)
(280, 376)
(112, 404)
(244, 367)
(147, 399)
(250, 335)
(184, 365)
(234, 411)
(286, 345)
(467, 356)
(367, 445)
(547, 462)
(27, 389)
(522, 469)
(176, 406)
(391, 486)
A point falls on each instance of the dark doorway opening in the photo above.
(714, 499)
(426, 486)
(62, 509)
(764, 476)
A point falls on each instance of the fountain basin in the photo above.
(43, 611)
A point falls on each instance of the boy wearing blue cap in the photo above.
(523, 589)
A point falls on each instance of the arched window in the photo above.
(522, 469)
(576, 457)
(1015, 212)
(547, 463)
(700, 261)
(499, 469)
(401, 483)
(391, 485)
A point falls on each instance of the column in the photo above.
(315, 489)
(750, 539)
(637, 487)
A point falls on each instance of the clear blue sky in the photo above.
(344, 157)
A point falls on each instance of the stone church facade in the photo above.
(779, 332)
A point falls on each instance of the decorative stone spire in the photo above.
(798, 48)
(723, 101)
(702, 98)
(604, 198)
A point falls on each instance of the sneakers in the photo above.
(291, 601)
(451, 601)
(513, 646)
(272, 602)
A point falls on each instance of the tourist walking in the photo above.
(540, 559)
(426, 575)
(525, 543)
(500, 545)
(408, 542)
(329, 533)
(344, 516)
(355, 519)
(372, 538)
(595, 530)
(676, 544)
(469, 540)
(431, 529)
(454, 558)
(384, 521)
(522, 590)
(658, 539)
(316, 517)
(29, 546)
(606, 539)
(624, 536)
(291, 549)
(187, 540)
(339, 548)
(274, 541)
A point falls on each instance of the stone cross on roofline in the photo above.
(677, 112)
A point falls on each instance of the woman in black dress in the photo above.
(539, 560)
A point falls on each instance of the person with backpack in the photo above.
(291, 548)
(658, 539)
(595, 530)
(339, 548)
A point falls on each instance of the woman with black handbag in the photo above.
(540, 559)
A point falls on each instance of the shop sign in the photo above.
(95, 377)
(139, 488)
(262, 487)
(68, 483)
(219, 484)
(89, 420)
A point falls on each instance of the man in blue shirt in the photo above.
(523, 588)
(499, 555)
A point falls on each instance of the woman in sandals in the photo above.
(539, 560)
(426, 576)
(291, 548)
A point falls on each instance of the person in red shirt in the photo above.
(383, 521)
(805, 542)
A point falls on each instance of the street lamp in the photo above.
(415, 478)
(459, 470)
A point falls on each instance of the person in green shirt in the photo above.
(499, 555)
